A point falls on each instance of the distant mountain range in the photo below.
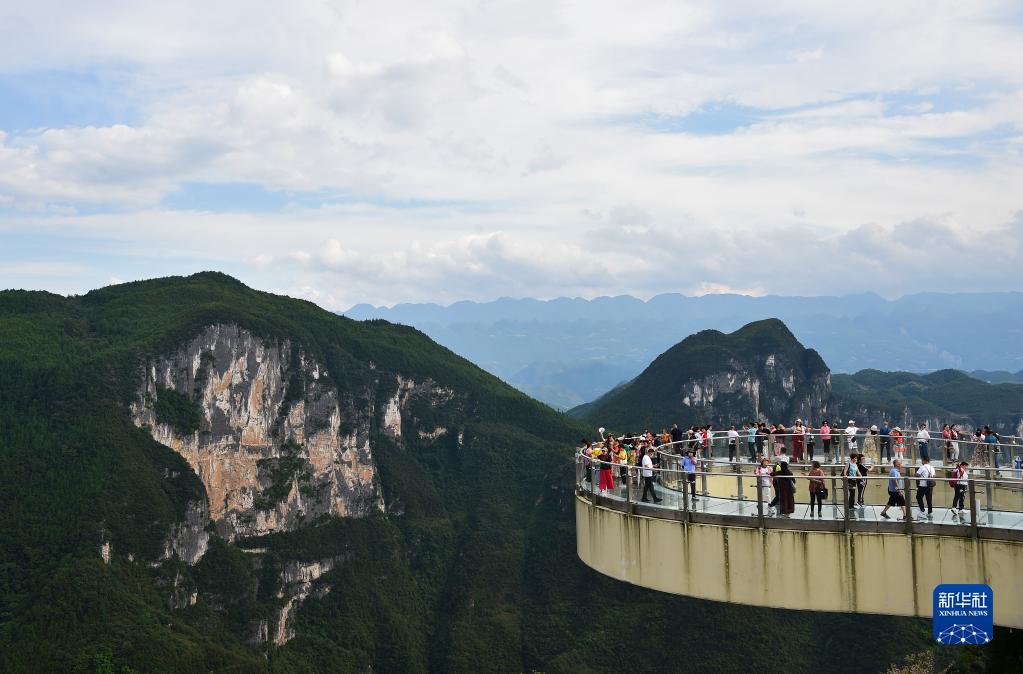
(762, 372)
(570, 351)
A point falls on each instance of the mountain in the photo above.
(568, 351)
(938, 398)
(197, 476)
(758, 371)
(763, 372)
(998, 376)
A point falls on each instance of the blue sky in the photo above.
(349, 152)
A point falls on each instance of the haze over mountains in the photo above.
(570, 351)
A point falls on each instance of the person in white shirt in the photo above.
(922, 438)
(648, 476)
(925, 488)
(850, 436)
(733, 444)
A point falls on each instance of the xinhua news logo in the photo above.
(964, 614)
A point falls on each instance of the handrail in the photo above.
(980, 496)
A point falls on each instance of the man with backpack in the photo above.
(925, 488)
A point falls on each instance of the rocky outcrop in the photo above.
(274, 442)
(189, 540)
(298, 581)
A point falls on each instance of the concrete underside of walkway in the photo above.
(860, 572)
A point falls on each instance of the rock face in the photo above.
(271, 437)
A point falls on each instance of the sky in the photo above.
(385, 152)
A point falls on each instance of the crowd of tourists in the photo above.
(774, 448)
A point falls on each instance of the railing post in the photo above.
(909, 505)
(738, 480)
(703, 479)
(834, 488)
(973, 507)
(685, 496)
(760, 501)
(845, 503)
(628, 490)
(989, 488)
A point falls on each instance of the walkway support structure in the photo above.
(866, 558)
(793, 567)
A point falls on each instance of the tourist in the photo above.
(676, 434)
(861, 485)
(785, 484)
(851, 443)
(780, 440)
(980, 456)
(826, 440)
(763, 437)
(797, 441)
(960, 483)
(946, 439)
(992, 440)
(808, 437)
(899, 443)
(622, 457)
(851, 473)
(953, 445)
(870, 445)
(733, 444)
(817, 488)
(587, 451)
(751, 441)
(607, 480)
(922, 440)
(886, 441)
(648, 477)
(925, 488)
(764, 472)
(895, 491)
(689, 466)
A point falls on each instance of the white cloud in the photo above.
(466, 149)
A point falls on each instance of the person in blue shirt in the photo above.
(991, 438)
(896, 495)
(751, 441)
(689, 466)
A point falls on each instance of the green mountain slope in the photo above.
(471, 567)
(711, 377)
(940, 397)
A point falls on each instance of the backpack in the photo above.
(954, 480)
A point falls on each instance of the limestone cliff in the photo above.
(275, 443)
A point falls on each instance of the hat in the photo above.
(873, 428)
(897, 429)
(851, 422)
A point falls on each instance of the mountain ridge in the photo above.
(471, 560)
(570, 350)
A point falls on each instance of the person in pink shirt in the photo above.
(826, 440)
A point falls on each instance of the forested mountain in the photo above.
(197, 476)
(569, 351)
(763, 372)
(758, 371)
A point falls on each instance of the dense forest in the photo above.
(472, 567)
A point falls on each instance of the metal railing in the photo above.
(1007, 454)
(732, 493)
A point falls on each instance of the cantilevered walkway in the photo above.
(728, 545)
